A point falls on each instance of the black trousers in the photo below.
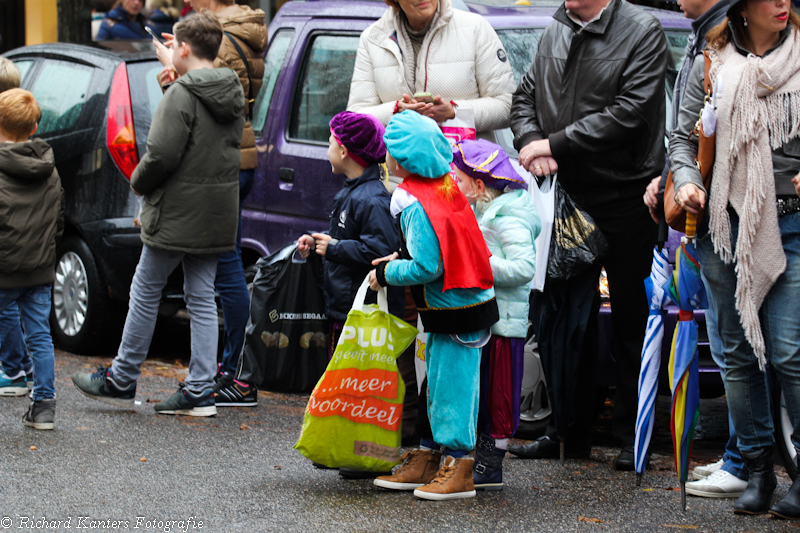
(631, 233)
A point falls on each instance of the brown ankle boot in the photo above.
(452, 482)
(418, 468)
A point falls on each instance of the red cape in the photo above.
(464, 252)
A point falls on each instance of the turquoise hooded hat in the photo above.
(418, 144)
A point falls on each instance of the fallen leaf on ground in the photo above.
(277, 467)
(244, 426)
(672, 488)
(33, 447)
(647, 490)
(595, 520)
(679, 526)
(143, 459)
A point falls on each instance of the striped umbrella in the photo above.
(686, 290)
(656, 287)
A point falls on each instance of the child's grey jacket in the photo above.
(31, 214)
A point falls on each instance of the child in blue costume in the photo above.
(509, 222)
(445, 260)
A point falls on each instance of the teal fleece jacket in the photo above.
(510, 225)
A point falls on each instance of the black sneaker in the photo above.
(232, 393)
(185, 402)
(101, 386)
(41, 414)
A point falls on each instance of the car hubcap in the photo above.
(70, 294)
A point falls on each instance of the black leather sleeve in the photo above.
(640, 92)
(524, 123)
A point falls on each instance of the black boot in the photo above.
(487, 472)
(756, 497)
(789, 506)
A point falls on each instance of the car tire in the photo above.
(783, 430)
(80, 302)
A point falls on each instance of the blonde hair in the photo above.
(165, 6)
(489, 195)
(10, 77)
(19, 113)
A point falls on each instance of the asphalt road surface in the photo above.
(109, 469)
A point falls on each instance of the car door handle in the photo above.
(285, 178)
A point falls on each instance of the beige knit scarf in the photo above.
(758, 110)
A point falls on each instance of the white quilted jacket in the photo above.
(461, 59)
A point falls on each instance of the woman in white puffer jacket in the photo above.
(427, 46)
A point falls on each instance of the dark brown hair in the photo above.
(720, 35)
(202, 32)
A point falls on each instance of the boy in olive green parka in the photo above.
(189, 179)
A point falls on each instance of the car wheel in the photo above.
(80, 302)
(783, 430)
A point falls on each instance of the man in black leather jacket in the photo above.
(592, 108)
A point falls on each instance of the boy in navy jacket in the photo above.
(362, 229)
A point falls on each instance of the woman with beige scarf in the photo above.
(749, 245)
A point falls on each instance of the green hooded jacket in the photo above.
(190, 174)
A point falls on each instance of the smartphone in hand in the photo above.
(426, 98)
(153, 34)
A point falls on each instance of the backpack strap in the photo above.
(250, 99)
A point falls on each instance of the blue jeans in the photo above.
(155, 266)
(746, 386)
(34, 312)
(232, 289)
(732, 459)
(14, 355)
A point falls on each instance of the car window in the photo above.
(324, 87)
(272, 68)
(146, 94)
(676, 40)
(144, 86)
(24, 67)
(521, 45)
(61, 90)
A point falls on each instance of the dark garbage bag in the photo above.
(286, 340)
(577, 242)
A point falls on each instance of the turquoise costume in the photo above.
(453, 352)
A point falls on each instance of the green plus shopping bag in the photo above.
(354, 414)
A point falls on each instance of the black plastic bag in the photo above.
(286, 340)
(577, 242)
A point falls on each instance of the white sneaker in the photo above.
(720, 484)
(703, 471)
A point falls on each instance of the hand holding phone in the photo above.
(426, 98)
(153, 35)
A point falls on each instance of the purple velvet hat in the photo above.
(487, 161)
(362, 135)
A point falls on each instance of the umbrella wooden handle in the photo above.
(691, 226)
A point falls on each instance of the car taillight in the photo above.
(119, 132)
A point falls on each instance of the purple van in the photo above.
(309, 65)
